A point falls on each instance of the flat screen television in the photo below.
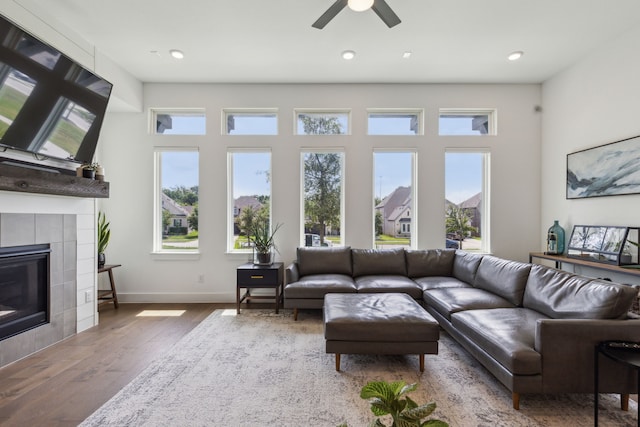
(50, 106)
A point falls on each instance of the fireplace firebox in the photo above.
(24, 288)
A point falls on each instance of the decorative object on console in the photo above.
(104, 234)
(606, 170)
(261, 236)
(605, 244)
(89, 170)
(555, 239)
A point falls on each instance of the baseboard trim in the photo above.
(177, 297)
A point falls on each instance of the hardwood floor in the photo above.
(65, 383)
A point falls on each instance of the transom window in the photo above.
(454, 121)
(395, 122)
(250, 122)
(319, 122)
(179, 122)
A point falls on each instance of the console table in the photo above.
(563, 259)
(259, 276)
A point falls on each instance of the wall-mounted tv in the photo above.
(50, 106)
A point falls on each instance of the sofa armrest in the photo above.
(291, 273)
(567, 348)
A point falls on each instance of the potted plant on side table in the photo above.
(261, 236)
(104, 234)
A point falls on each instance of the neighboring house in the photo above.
(241, 203)
(473, 206)
(178, 213)
(396, 213)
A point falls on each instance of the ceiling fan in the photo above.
(380, 7)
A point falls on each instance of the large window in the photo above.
(250, 122)
(176, 225)
(395, 122)
(322, 201)
(456, 121)
(249, 194)
(178, 122)
(467, 200)
(317, 122)
(394, 216)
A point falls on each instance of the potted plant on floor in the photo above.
(104, 234)
(386, 399)
(261, 236)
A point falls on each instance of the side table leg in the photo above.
(113, 289)
(237, 299)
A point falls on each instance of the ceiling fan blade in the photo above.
(382, 9)
(330, 14)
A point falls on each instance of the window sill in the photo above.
(175, 256)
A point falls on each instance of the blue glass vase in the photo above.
(555, 239)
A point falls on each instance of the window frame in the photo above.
(418, 112)
(153, 119)
(485, 214)
(224, 130)
(329, 150)
(230, 196)
(414, 224)
(492, 114)
(157, 201)
(298, 111)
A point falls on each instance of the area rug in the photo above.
(259, 368)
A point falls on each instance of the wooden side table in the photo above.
(108, 295)
(251, 276)
(625, 353)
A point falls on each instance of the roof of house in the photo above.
(244, 201)
(174, 208)
(399, 197)
(472, 202)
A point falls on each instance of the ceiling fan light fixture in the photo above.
(348, 55)
(360, 5)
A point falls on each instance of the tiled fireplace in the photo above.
(59, 231)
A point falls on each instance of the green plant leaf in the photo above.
(380, 390)
(420, 412)
(434, 423)
(379, 408)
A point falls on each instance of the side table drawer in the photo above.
(257, 277)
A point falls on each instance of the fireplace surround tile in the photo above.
(24, 229)
(17, 229)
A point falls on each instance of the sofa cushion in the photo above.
(506, 334)
(447, 301)
(318, 285)
(387, 283)
(378, 261)
(432, 262)
(465, 266)
(503, 277)
(324, 260)
(437, 282)
(561, 295)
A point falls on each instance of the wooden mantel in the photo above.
(27, 180)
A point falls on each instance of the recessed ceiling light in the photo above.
(360, 5)
(348, 55)
(514, 56)
(407, 54)
(177, 54)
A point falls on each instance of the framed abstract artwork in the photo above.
(607, 170)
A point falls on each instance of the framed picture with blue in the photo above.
(607, 170)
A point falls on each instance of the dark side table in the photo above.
(108, 295)
(626, 353)
(251, 276)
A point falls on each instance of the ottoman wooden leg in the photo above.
(422, 363)
(337, 361)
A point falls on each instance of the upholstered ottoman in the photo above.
(378, 324)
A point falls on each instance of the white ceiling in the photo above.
(272, 41)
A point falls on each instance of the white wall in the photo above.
(592, 103)
(127, 154)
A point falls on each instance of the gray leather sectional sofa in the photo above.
(533, 327)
